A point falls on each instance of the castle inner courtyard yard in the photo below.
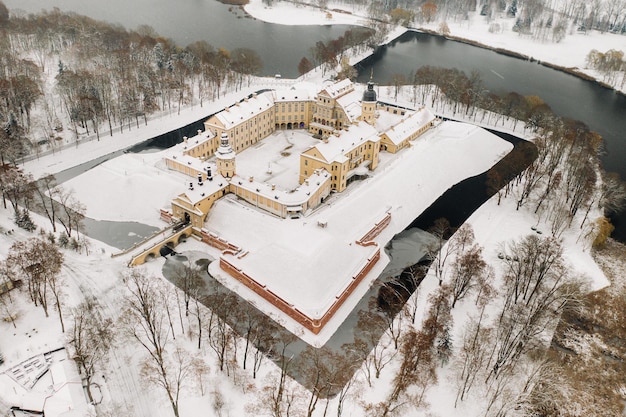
(306, 272)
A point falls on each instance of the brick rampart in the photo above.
(375, 231)
(314, 325)
(214, 240)
(166, 216)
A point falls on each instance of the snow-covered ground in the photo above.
(98, 275)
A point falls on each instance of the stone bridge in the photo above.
(154, 251)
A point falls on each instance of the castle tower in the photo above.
(225, 158)
(368, 104)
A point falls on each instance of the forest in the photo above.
(100, 77)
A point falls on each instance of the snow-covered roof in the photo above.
(339, 88)
(200, 192)
(288, 197)
(409, 125)
(67, 388)
(246, 109)
(54, 393)
(335, 148)
(195, 163)
(351, 104)
(385, 120)
(195, 141)
(299, 94)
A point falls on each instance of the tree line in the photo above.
(105, 76)
(564, 179)
(539, 19)
(610, 64)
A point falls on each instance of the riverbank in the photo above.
(568, 55)
(568, 70)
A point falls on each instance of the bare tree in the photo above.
(438, 251)
(91, 337)
(417, 368)
(145, 322)
(38, 262)
(467, 267)
(473, 355)
(263, 342)
(71, 212)
(45, 191)
(304, 66)
(171, 375)
(537, 286)
(278, 393)
(56, 283)
(15, 185)
(250, 318)
(376, 351)
(189, 279)
(220, 335)
(7, 305)
(613, 193)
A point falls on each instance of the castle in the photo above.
(352, 128)
(305, 243)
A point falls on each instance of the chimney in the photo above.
(199, 132)
(191, 185)
(208, 174)
(251, 179)
(273, 187)
(185, 139)
(199, 178)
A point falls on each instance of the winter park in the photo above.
(319, 208)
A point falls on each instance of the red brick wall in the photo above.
(218, 242)
(375, 231)
(314, 325)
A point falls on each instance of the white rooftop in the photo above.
(335, 148)
(246, 109)
(410, 125)
(293, 197)
(351, 104)
(293, 94)
(335, 90)
(200, 192)
(308, 265)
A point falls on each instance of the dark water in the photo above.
(186, 21)
(603, 110)
(459, 202)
